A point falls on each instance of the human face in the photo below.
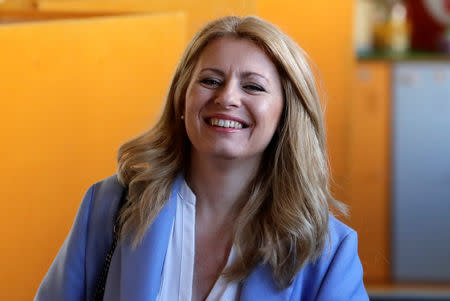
(233, 101)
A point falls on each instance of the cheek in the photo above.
(270, 114)
(196, 98)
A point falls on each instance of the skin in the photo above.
(233, 79)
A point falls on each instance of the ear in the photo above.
(181, 110)
(183, 107)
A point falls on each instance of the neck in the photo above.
(220, 185)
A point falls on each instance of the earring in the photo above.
(182, 117)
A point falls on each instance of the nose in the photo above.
(229, 95)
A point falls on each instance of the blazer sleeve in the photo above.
(66, 278)
(343, 280)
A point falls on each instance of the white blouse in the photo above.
(178, 271)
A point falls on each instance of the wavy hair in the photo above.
(284, 223)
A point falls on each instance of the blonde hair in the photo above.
(284, 223)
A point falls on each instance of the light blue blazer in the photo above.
(135, 275)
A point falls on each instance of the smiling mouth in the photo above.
(224, 123)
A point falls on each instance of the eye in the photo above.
(254, 88)
(210, 82)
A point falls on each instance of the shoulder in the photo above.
(105, 198)
(342, 241)
(107, 187)
(100, 198)
(338, 232)
(100, 207)
(340, 238)
(338, 270)
(105, 194)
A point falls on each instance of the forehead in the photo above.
(236, 53)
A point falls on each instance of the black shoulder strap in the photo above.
(100, 288)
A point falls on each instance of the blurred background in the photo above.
(80, 77)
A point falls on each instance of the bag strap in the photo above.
(100, 288)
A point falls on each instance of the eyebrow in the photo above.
(244, 74)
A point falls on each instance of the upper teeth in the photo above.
(225, 123)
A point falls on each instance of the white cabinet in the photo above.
(421, 172)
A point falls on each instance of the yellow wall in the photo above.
(70, 93)
(324, 29)
(17, 5)
(198, 12)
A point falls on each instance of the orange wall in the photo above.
(369, 149)
(70, 93)
(324, 29)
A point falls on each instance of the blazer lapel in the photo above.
(141, 268)
(260, 285)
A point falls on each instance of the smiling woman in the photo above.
(233, 102)
(227, 197)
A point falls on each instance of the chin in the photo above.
(234, 156)
(225, 155)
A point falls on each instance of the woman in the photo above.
(228, 195)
